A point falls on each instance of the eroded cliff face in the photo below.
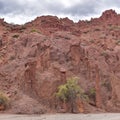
(39, 56)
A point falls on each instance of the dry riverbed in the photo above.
(105, 116)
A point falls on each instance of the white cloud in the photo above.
(69, 3)
(21, 11)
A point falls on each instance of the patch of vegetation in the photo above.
(114, 27)
(70, 91)
(3, 101)
(107, 85)
(15, 36)
(91, 93)
(34, 30)
(104, 53)
(92, 41)
(118, 42)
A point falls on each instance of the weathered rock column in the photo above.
(45, 59)
(29, 78)
(97, 88)
(76, 56)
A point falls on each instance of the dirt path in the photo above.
(105, 116)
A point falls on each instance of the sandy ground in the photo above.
(105, 116)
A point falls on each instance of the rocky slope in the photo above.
(37, 57)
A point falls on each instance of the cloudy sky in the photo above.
(21, 11)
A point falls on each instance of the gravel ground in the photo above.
(105, 116)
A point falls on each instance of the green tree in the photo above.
(70, 91)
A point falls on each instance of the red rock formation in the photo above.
(37, 57)
(109, 15)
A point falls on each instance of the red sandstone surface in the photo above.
(37, 57)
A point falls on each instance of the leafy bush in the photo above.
(70, 91)
(3, 101)
(91, 93)
(62, 92)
